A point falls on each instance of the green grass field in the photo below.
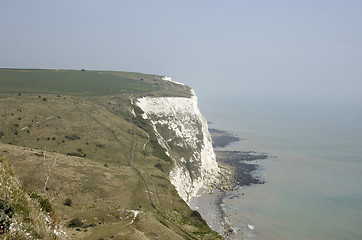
(85, 83)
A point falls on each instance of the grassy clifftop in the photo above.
(86, 83)
(76, 136)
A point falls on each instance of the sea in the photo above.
(313, 176)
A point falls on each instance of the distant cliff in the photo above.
(183, 132)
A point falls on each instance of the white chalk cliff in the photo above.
(183, 132)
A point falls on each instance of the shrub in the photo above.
(6, 212)
(76, 222)
(43, 202)
(196, 218)
(159, 166)
(76, 154)
(68, 202)
(72, 137)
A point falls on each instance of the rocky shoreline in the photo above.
(236, 167)
(236, 171)
(221, 138)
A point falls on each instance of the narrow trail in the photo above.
(144, 145)
(107, 129)
(45, 119)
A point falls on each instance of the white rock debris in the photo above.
(178, 122)
(128, 213)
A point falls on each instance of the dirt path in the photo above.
(45, 119)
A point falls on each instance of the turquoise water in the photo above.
(314, 185)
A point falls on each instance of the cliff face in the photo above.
(183, 132)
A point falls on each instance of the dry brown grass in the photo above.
(29, 220)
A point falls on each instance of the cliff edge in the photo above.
(183, 132)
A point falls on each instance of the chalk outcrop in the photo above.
(183, 132)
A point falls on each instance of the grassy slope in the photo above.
(114, 173)
(32, 215)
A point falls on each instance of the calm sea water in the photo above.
(314, 185)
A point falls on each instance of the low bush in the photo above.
(76, 154)
(43, 202)
(196, 218)
(73, 137)
(75, 222)
(68, 202)
(159, 166)
(6, 213)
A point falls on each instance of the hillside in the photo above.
(77, 135)
(25, 215)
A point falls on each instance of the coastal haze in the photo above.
(313, 178)
(290, 50)
(285, 76)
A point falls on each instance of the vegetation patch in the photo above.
(68, 202)
(75, 222)
(6, 213)
(76, 154)
(44, 202)
(73, 137)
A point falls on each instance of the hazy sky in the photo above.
(306, 49)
